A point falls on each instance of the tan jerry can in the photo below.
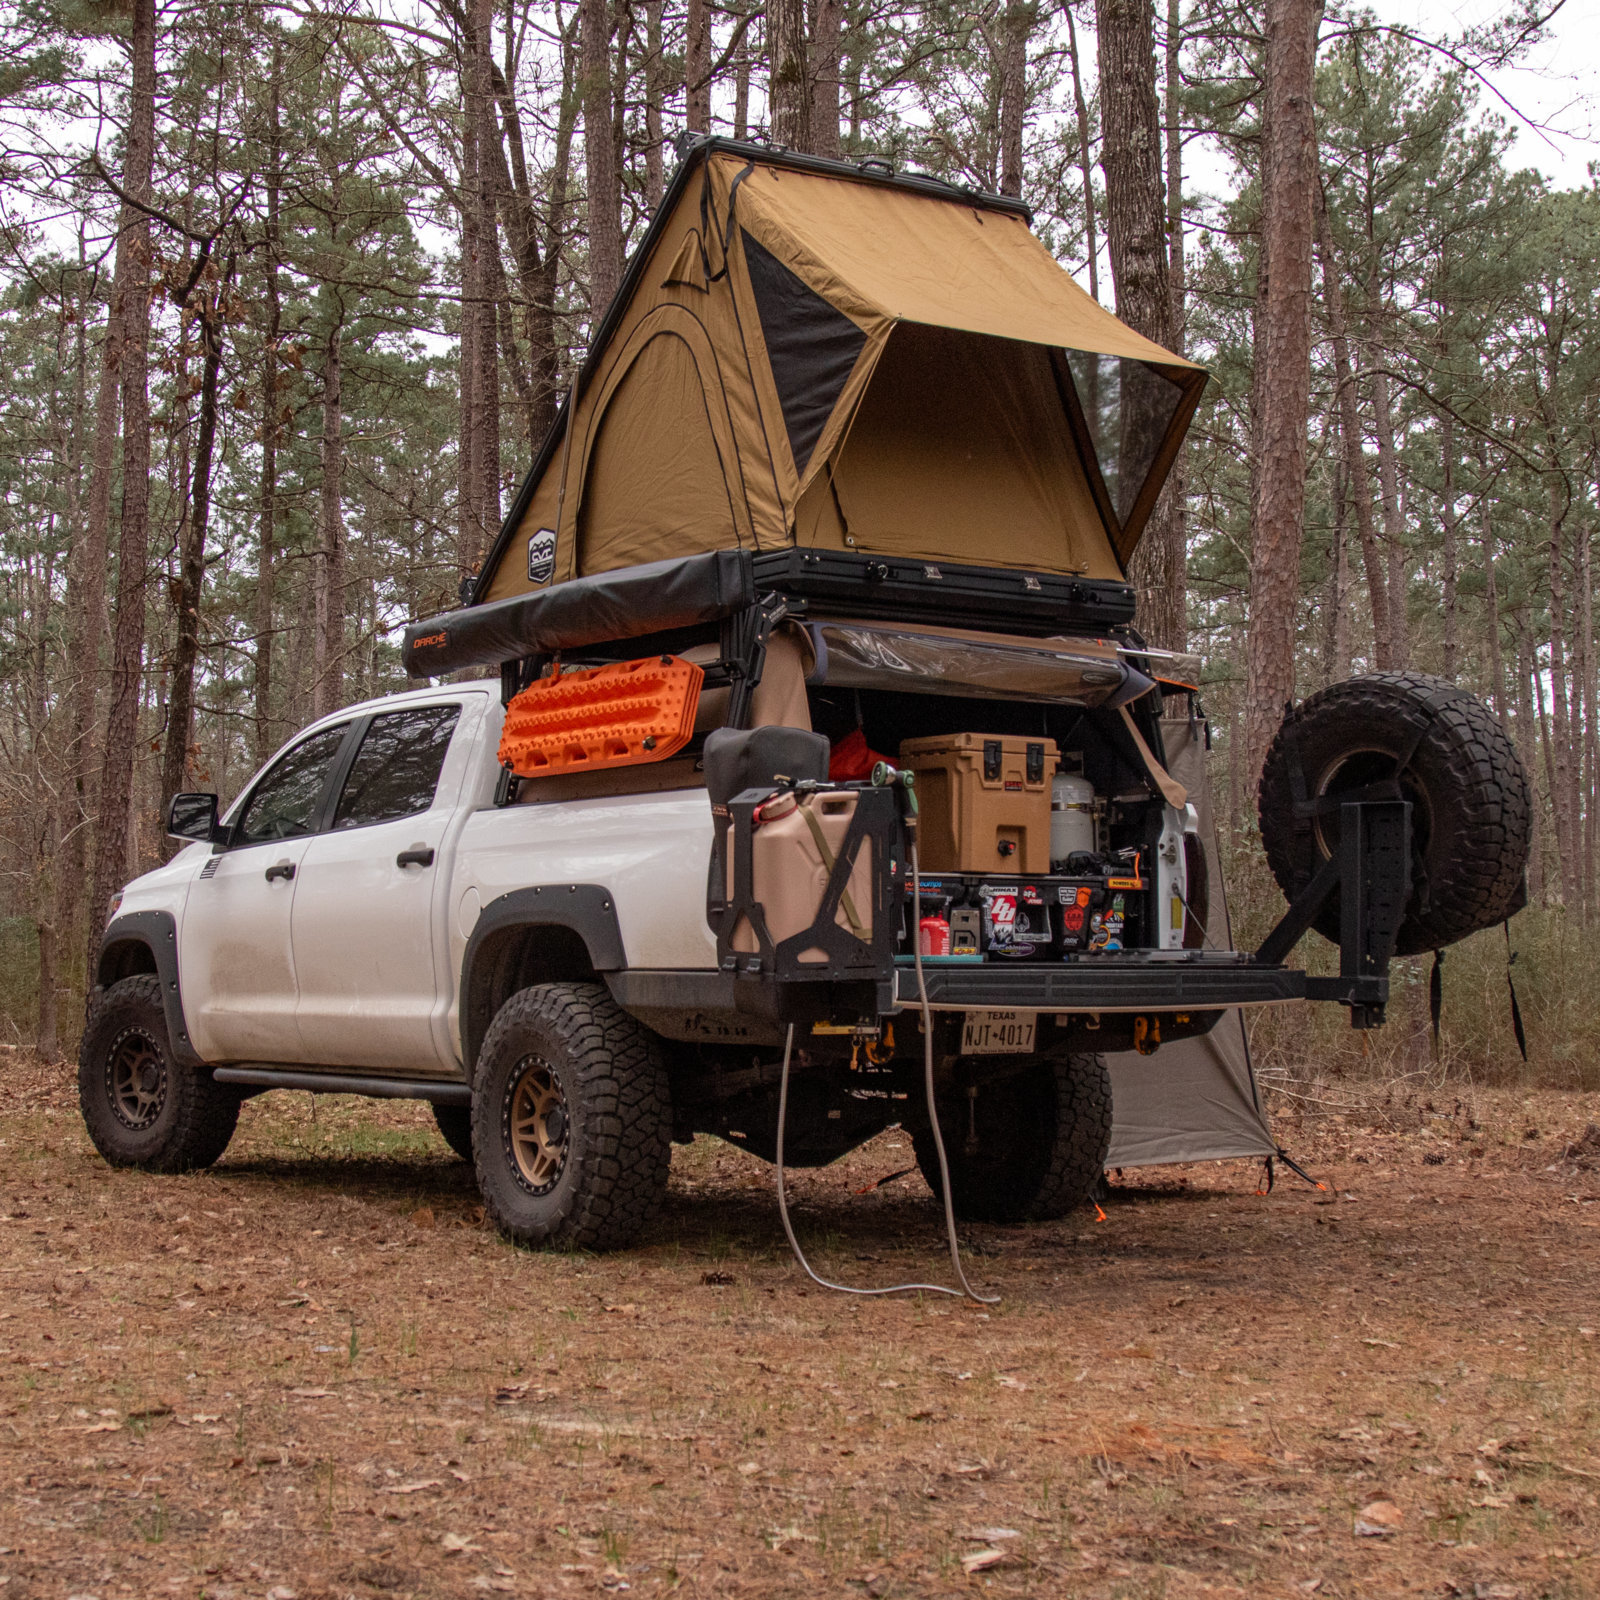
(790, 866)
(984, 801)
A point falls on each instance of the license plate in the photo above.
(998, 1033)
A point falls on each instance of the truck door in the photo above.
(234, 951)
(370, 896)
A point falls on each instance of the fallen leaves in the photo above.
(1379, 1519)
(982, 1560)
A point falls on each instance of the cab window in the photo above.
(284, 804)
(396, 770)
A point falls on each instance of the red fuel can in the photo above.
(934, 936)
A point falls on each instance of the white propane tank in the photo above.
(1071, 815)
(1172, 876)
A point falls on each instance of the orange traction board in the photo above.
(615, 716)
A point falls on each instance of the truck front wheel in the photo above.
(1027, 1148)
(141, 1107)
(572, 1119)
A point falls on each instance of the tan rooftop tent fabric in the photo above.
(807, 353)
(1195, 1099)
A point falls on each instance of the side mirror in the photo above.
(194, 816)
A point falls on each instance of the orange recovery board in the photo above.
(613, 716)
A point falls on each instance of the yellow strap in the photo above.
(1174, 792)
(848, 905)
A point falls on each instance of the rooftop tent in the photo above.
(809, 353)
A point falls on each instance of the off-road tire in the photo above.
(1042, 1137)
(617, 1125)
(455, 1127)
(142, 1107)
(1471, 805)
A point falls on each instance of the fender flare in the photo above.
(157, 932)
(586, 909)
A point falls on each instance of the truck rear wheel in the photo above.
(1028, 1148)
(455, 1127)
(143, 1108)
(1471, 808)
(572, 1119)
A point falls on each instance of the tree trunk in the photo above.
(1086, 166)
(1173, 504)
(328, 596)
(131, 319)
(1447, 552)
(175, 764)
(1527, 740)
(1174, 132)
(520, 212)
(826, 40)
(489, 283)
(600, 160)
(1491, 606)
(1336, 613)
(468, 467)
(47, 1035)
(1016, 25)
(1355, 456)
(697, 70)
(788, 84)
(86, 627)
(1136, 227)
(1393, 521)
(741, 89)
(1290, 157)
(654, 84)
(1551, 786)
(1584, 714)
(1562, 784)
(266, 564)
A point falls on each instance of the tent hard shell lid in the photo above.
(810, 354)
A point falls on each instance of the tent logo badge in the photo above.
(542, 557)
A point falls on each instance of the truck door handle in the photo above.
(417, 856)
(280, 869)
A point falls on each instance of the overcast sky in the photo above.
(1556, 86)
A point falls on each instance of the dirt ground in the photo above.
(314, 1372)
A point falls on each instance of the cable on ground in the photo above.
(966, 1288)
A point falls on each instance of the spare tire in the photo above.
(1471, 816)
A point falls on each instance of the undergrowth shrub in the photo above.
(1556, 970)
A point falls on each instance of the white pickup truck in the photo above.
(578, 967)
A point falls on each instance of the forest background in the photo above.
(289, 295)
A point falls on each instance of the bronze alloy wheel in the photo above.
(537, 1125)
(136, 1080)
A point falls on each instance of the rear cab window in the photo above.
(396, 770)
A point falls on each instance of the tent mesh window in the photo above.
(811, 347)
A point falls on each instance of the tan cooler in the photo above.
(984, 801)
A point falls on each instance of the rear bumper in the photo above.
(1104, 984)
